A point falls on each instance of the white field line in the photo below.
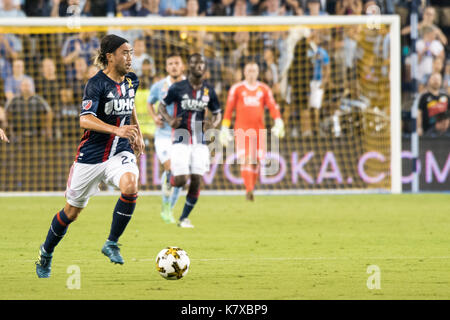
(271, 259)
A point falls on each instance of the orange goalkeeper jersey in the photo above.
(249, 102)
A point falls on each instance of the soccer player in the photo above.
(248, 98)
(3, 136)
(189, 157)
(105, 153)
(163, 134)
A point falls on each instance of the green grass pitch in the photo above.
(279, 247)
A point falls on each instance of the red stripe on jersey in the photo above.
(84, 139)
(109, 143)
(189, 127)
(118, 90)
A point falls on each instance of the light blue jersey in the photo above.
(157, 92)
(319, 59)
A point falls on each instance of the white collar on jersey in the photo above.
(250, 87)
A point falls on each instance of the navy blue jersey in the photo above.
(190, 105)
(113, 103)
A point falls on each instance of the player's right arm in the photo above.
(225, 135)
(91, 122)
(88, 115)
(151, 102)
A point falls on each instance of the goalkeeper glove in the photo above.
(278, 128)
(225, 136)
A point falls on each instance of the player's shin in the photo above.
(174, 196)
(58, 229)
(122, 214)
(248, 177)
(191, 200)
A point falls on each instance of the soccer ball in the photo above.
(172, 263)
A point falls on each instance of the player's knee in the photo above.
(180, 181)
(128, 183)
(72, 212)
(195, 183)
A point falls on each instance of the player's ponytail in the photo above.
(100, 59)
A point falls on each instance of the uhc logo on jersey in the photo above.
(119, 107)
(193, 104)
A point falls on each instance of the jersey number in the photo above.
(126, 161)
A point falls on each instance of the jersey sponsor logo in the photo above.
(87, 104)
(119, 107)
(193, 104)
(252, 101)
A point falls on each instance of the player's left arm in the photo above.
(138, 144)
(214, 107)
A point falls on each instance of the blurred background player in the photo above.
(105, 153)
(163, 133)
(189, 158)
(248, 98)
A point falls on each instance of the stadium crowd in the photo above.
(64, 68)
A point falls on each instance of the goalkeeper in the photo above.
(249, 98)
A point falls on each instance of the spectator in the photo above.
(271, 71)
(67, 120)
(12, 84)
(16, 4)
(428, 49)
(431, 103)
(293, 7)
(10, 10)
(447, 77)
(429, 16)
(240, 8)
(69, 8)
(442, 126)
(10, 46)
(149, 8)
(78, 82)
(320, 62)
(128, 8)
(82, 45)
(371, 7)
(229, 7)
(442, 8)
(349, 7)
(139, 56)
(313, 8)
(172, 8)
(192, 8)
(41, 8)
(273, 8)
(99, 8)
(29, 115)
(48, 86)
